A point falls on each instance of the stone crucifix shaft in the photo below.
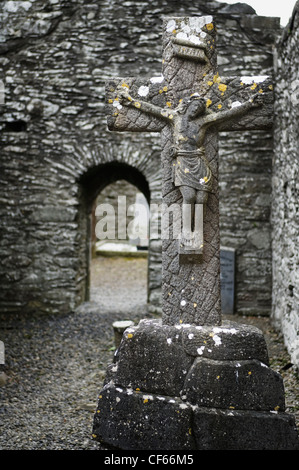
(188, 104)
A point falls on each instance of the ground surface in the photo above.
(55, 366)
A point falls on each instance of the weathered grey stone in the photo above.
(241, 385)
(151, 357)
(285, 190)
(244, 430)
(132, 420)
(229, 341)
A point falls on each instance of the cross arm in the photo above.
(135, 105)
(243, 103)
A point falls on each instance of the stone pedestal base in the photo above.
(188, 387)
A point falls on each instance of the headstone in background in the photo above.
(227, 280)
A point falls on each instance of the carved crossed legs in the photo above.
(192, 216)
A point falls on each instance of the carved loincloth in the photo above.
(192, 169)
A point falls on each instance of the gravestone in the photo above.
(227, 280)
(191, 380)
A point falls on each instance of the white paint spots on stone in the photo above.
(157, 79)
(117, 104)
(195, 39)
(247, 80)
(148, 397)
(160, 398)
(171, 25)
(190, 335)
(117, 399)
(169, 340)
(143, 90)
(198, 22)
(183, 303)
(200, 350)
(235, 104)
(183, 406)
(232, 331)
(114, 368)
(217, 340)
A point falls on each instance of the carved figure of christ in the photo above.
(192, 174)
(188, 105)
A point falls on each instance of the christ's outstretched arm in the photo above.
(144, 106)
(215, 118)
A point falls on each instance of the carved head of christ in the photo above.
(193, 107)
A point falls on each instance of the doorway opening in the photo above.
(119, 266)
(117, 278)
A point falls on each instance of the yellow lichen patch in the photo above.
(249, 373)
(130, 335)
(115, 114)
(98, 411)
(190, 431)
(222, 87)
(209, 26)
(216, 78)
(137, 389)
(181, 321)
(218, 377)
(160, 91)
(174, 31)
(125, 85)
(110, 101)
(277, 408)
(100, 396)
(261, 90)
(94, 436)
(145, 400)
(208, 103)
(168, 104)
(270, 87)
(253, 87)
(137, 105)
(111, 89)
(231, 407)
(170, 116)
(186, 170)
(210, 83)
(219, 106)
(206, 179)
(165, 88)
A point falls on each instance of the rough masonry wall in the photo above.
(56, 152)
(285, 195)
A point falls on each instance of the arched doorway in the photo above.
(106, 184)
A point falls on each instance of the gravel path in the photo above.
(55, 365)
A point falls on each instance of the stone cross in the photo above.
(189, 103)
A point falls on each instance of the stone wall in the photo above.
(57, 155)
(285, 189)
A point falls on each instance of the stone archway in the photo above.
(95, 180)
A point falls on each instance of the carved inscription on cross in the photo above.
(189, 103)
